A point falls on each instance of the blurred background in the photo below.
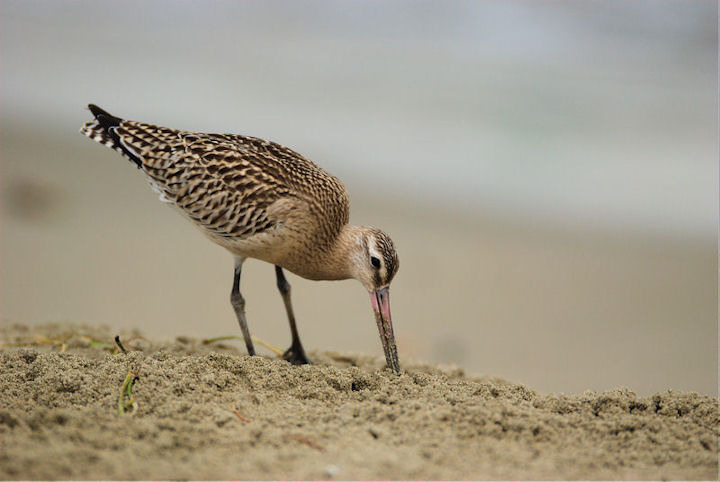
(547, 170)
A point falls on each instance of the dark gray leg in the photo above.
(295, 354)
(238, 302)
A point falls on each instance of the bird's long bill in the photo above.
(380, 300)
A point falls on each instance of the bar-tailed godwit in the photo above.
(258, 199)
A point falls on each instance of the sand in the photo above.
(211, 412)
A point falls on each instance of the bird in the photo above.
(261, 200)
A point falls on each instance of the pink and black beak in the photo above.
(380, 300)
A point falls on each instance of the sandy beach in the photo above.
(207, 411)
(547, 172)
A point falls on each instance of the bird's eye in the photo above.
(375, 261)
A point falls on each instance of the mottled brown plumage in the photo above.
(261, 200)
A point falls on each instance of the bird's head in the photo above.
(374, 263)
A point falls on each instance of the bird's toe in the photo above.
(296, 355)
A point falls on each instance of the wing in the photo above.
(228, 184)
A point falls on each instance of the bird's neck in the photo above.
(339, 258)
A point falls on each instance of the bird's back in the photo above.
(248, 194)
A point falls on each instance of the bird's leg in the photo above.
(295, 354)
(238, 303)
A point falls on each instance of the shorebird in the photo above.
(258, 199)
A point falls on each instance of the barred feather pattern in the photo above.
(232, 186)
(94, 131)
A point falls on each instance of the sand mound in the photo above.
(210, 412)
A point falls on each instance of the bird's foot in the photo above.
(296, 355)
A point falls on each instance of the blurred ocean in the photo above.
(595, 113)
(501, 142)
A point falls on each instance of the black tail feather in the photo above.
(103, 129)
(105, 119)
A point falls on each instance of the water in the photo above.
(598, 114)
